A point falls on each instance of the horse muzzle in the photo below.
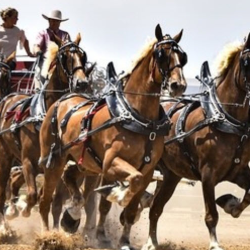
(177, 88)
(81, 85)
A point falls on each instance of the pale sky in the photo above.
(116, 30)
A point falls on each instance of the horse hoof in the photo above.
(222, 200)
(68, 224)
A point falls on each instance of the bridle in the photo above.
(72, 48)
(160, 55)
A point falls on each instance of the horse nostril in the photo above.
(174, 85)
(82, 84)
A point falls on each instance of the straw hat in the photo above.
(55, 14)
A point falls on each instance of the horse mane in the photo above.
(50, 57)
(226, 57)
(150, 42)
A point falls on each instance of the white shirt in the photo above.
(9, 39)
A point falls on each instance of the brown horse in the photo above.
(21, 116)
(120, 137)
(209, 141)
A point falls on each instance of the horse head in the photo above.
(169, 62)
(72, 60)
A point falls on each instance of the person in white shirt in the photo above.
(10, 35)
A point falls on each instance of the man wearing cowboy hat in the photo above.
(45, 36)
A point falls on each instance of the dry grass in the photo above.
(59, 241)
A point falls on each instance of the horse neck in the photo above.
(229, 93)
(56, 87)
(138, 89)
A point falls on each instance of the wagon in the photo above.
(22, 76)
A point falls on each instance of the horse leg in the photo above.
(211, 216)
(130, 214)
(5, 168)
(52, 177)
(90, 182)
(104, 208)
(232, 204)
(26, 203)
(60, 196)
(165, 190)
(122, 170)
(72, 215)
(15, 182)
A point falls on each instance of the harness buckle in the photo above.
(126, 116)
(152, 136)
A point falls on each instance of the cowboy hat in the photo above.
(55, 14)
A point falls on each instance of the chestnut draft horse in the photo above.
(101, 136)
(209, 141)
(22, 115)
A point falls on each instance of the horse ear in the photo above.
(247, 43)
(78, 39)
(158, 33)
(177, 38)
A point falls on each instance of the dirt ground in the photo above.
(181, 227)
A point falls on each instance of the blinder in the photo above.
(184, 59)
(84, 58)
(62, 57)
(161, 57)
(183, 55)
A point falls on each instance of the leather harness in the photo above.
(121, 112)
(214, 114)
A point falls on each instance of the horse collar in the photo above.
(131, 120)
(223, 121)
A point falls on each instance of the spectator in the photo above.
(10, 34)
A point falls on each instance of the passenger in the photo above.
(45, 36)
(10, 34)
